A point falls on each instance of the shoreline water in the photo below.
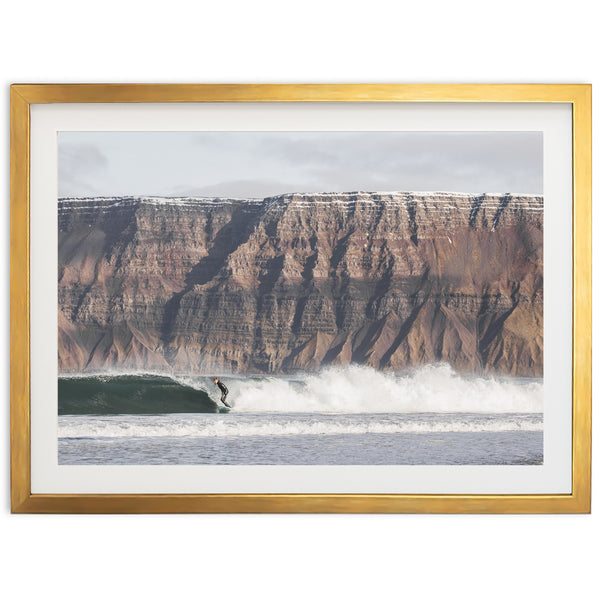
(301, 439)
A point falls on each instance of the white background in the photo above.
(464, 556)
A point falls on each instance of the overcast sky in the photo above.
(259, 164)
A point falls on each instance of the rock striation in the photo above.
(300, 281)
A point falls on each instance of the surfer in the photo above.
(224, 391)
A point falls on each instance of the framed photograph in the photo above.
(301, 298)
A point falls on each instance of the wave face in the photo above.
(129, 394)
(354, 389)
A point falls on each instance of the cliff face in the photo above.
(300, 281)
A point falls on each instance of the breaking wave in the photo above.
(359, 389)
(353, 389)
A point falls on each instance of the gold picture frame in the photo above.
(24, 501)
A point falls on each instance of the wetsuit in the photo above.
(224, 392)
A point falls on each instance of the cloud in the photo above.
(242, 188)
(80, 169)
(260, 164)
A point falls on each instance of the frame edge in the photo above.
(301, 504)
(51, 93)
(582, 294)
(20, 431)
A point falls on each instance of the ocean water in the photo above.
(340, 416)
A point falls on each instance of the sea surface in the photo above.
(340, 416)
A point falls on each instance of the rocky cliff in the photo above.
(300, 281)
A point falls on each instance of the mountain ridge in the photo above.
(292, 282)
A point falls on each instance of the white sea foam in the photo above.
(359, 389)
(136, 426)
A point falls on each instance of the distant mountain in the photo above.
(299, 281)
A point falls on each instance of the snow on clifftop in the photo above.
(317, 197)
(156, 200)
